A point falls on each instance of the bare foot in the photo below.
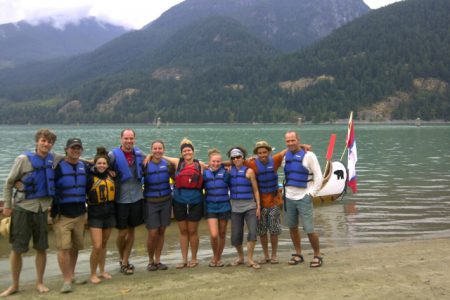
(9, 291)
(41, 288)
(95, 279)
(105, 275)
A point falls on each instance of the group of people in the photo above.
(125, 188)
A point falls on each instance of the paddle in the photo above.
(330, 149)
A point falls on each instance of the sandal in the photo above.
(152, 267)
(317, 262)
(237, 263)
(264, 261)
(220, 264)
(161, 266)
(296, 259)
(274, 261)
(192, 264)
(255, 266)
(127, 269)
(181, 265)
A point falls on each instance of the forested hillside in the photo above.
(215, 70)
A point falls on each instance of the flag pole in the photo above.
(348, 135)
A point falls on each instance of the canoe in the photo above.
(334, 183)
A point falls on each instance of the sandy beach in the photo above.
(402, 270)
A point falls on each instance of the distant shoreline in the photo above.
(337, 122)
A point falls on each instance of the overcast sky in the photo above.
(128, 13)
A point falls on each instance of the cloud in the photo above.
(128, 13)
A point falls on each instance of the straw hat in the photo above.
(4, 226)
(262, 144)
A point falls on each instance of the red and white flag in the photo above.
(352, 155)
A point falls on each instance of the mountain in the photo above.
(284, 24)
(22, 42)
(393, 59)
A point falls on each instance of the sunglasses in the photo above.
(236, 157)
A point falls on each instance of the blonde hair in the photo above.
(186, 143)
(213, 151)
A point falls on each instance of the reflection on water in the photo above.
(403, 181)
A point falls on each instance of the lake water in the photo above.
(403, 179)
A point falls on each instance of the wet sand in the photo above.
(402, 270)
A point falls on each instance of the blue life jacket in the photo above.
(156, 180)
(121, 164)
(267, 176)
(41, 181)
(240, 186)
(71, 186)
(296, 174)
(215, 186)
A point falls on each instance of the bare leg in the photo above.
(240, 252)
(193, 241)
(15, 260)
(265, 246)
(314, 240)
(65, 265)
(274, 244)
(102, 258)
(295, 237)
(152, 242)
(160, 244)
(222, 238)
(73, 261)
(250, 250)
(125, 240)
(213, 225)
(184, 240)
(96, 238)
(41, 261)
(121, 242)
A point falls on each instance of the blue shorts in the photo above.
(302, 208)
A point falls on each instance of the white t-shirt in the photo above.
(311, 163)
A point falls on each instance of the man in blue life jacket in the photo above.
(68, 211)
(28, 206)
(126, 161)
(303, 179)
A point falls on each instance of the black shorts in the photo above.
(188, 212)
(129, 214)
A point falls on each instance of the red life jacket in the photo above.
(189, 176)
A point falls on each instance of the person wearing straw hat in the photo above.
(265, 167)
(303, 179)
(28, 206)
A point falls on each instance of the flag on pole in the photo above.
(352, 155)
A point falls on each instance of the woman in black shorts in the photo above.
(101, 192)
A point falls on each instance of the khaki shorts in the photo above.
(69, 232)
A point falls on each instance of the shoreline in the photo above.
(415, 269)
(304, 123)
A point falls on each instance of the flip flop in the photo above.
(274, 261)
(264, 261)
(220, 264)
(181, 266)
(255, 266)
(236, 263)
(212, 265)
(192, 264)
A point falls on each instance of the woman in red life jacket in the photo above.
(187, 201)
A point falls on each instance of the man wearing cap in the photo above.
(28, 207)
(127, 161)
(68, 211)
(265, 167)
(303, 179)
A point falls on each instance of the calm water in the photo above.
(403, 178)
